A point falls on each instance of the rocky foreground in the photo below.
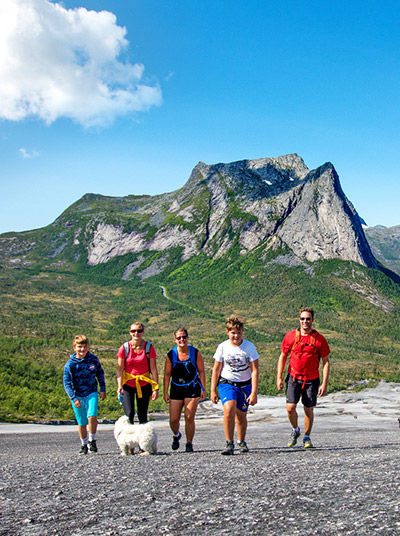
(348, 484)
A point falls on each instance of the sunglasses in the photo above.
(305, 319)
(181, 338)
(136, 331)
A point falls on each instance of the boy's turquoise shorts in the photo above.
(89, 408)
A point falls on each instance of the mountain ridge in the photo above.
(221, 206)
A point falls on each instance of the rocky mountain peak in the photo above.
(243, 205)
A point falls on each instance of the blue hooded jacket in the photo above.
(81, 376)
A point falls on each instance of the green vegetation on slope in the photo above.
(357, 309)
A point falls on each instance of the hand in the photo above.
(166, 398)
(154, 394)
(214, 397)
(202, 395)
(120, 391)
(279, 384)
(77, 403)
(252, 399)
(102, 395)
(322, 390)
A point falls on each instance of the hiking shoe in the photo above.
(293, 438)
(175, 442)
(92, 446)
(243, 446)
(307, 443)
(228, 450)
(189, 447)
(84, 449)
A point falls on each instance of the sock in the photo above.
(92, 437)
(306, 437)
(177, 435)
(297, 429)
(84, 440)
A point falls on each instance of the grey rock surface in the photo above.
(348, 484)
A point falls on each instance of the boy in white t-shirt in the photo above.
(235, 373)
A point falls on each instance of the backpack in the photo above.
(298, 337)
(294, 360)
(146, 350)
(192, 360)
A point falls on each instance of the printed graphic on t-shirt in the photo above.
(237, 364)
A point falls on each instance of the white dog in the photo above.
(129, 436)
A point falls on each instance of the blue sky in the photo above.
(86, 106)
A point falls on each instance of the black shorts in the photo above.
(180, 393)
(295, 390)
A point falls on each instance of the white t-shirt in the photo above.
(236, 360)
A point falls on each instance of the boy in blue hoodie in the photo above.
(81, 374)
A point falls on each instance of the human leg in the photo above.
(293, 392)
(292, 414)
(309, 399)
(128, 402)
(190, 413)
(82, 431)
(241, 424)
(143, 403)
(308, 420)
(175, 410)
(229, 419)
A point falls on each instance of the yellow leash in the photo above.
(137, 377)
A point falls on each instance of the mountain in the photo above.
(257, 237)
(269, 202)
(385, 245)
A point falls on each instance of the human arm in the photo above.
(167, 378)
(279, 371)
(101, 380)
(120, 372)
(325, 375)
(69, 385)
(154, 373)
(214, 381)
(252, 399)
(202, 374)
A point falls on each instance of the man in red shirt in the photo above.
(307, 348)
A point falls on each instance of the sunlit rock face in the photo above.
(246, 203)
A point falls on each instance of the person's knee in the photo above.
(230, 409)
(291, 409)
(309, 411)
(241, 416)
(173, 421)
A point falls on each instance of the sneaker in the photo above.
(189, 447)
(228, 450)
(175, 442)
(84, 449)
(293, 438)
(92, 446)
(307, 443)
(243, 446)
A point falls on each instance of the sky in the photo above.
(120, 97)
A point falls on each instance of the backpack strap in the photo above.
(147, 348)
(147, 352)
(298, 337)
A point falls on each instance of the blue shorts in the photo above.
(89, 408)
(231, 392)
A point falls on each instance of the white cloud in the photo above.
(57, 62)
(26, 154)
